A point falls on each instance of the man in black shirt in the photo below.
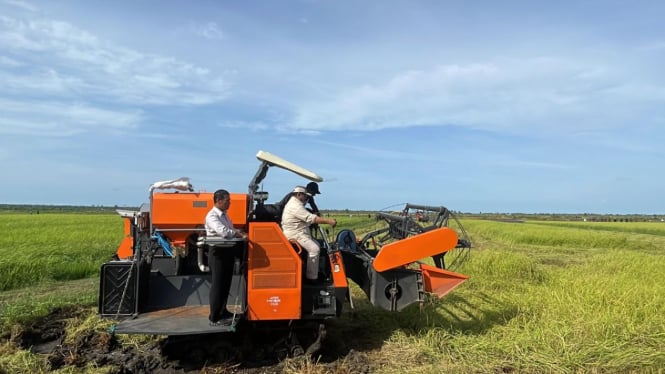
(312, 189)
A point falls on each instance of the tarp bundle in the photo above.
(181, 184)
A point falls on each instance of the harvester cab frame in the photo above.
(159, 282)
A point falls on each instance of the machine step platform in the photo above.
(183, 320)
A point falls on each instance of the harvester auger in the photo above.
(159, 282)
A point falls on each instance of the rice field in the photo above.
(543, 297)
(42, 248)
(562, 297)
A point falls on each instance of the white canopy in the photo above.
(282, 163)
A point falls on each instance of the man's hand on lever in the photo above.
(331, 222)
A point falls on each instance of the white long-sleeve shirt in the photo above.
(296, 219)
(219, 224)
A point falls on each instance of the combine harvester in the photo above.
(159, 282)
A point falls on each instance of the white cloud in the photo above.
(76, 62)
(209, 30)
(49, 118)
(384, 154)
(6, 61)
(59, 80)
(21, 4)
(531, 95)
(41, 82)
(251, 126)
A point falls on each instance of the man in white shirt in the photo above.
(295, 224)
(220, 260)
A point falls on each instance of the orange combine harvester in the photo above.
(159, 281)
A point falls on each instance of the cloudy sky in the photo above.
(480, 106)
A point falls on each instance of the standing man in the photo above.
(295, 224)
(312, 189)
(220, 260)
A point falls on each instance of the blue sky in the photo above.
(480, 106)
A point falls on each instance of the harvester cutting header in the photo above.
(159, 282)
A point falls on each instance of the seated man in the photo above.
(220, 260)
(295, 224)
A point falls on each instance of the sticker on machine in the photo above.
(274, 300)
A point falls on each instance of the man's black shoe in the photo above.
(226, 315)
(221, 322)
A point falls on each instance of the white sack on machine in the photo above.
(181, 184)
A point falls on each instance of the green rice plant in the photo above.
(650, 228)
(542, 235)
(542, 297)
(47, 247)
(360, 223)
(13, 360)
(607, 314)
(27, 304)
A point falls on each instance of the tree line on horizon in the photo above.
(508, 217)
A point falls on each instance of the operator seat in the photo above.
(267, 213)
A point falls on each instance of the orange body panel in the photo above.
(274, 274)
(414, 248)
(181, 213)
(338, 273)
(439, 281)
(185, 210)
(126, 247)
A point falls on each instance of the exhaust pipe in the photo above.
(200, 243)
(217, 242)
(202, 267)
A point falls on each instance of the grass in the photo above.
(599, 308)
(543, 297)
(21, 306)
(605, 314)
(42, 248)
(359, 223)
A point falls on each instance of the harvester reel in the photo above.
(407, 223)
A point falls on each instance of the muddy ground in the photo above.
(342, 350)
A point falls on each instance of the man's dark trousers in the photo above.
(220, 261)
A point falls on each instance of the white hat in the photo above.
(300, 189)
